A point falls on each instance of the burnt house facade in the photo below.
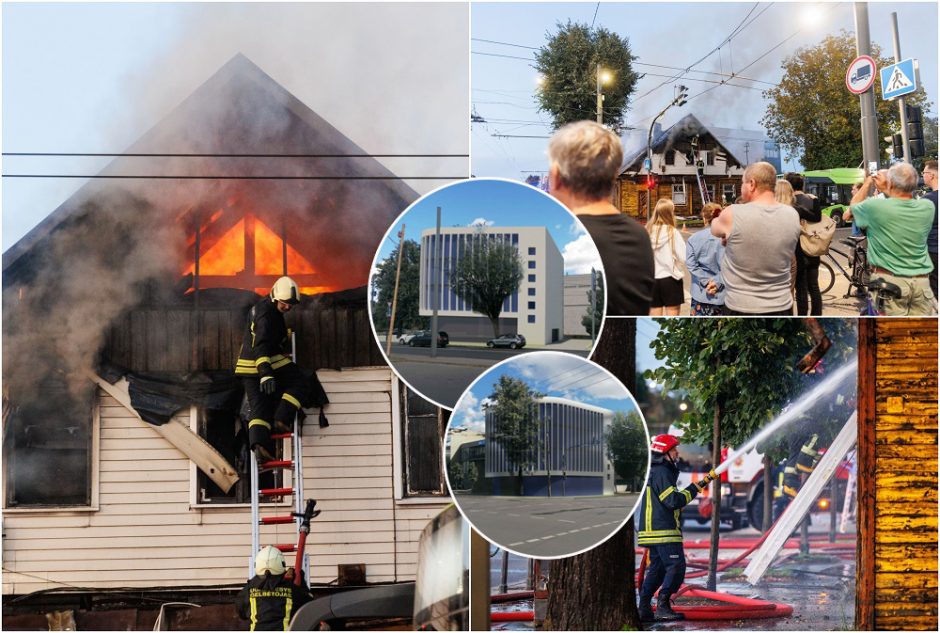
(690, 165)
(130, 301)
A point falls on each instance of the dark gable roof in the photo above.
(272, 121)
(677, 137)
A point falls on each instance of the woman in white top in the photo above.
(668, 258)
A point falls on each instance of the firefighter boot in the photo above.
(259, 439)
(664, 612)
(646, 610)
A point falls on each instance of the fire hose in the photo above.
(309, 513)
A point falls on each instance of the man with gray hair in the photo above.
(584, 161)
(760, 237)
(897, 227)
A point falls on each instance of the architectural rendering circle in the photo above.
(546, 454)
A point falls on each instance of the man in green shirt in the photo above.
(897, 227)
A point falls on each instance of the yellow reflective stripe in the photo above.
(262, 359)
(790, 470)
(277, 364)
(259, 422)
(294, 401)
(687, 495)
(246, 371)
(649, 508)
(244, 362)
(809, 451)
(665, 493)
(658, 532)
(287, 608)
(254, 612)
(656, 541)
(805, 469)
(790, 492)
(265, 379)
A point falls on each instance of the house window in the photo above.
(531, 250)
(531, 292)
(225, 432)
(532, 305)
(670, 158)
(709, 158)
(531, 279)
(531, 318)
(710, 190)
(531, 264)
(49, 448)
(727, 193)
(423, 425)
(678, 194)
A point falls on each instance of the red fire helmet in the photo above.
(664, 443)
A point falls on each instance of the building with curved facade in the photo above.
(567, 452)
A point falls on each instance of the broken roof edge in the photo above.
(239, 63)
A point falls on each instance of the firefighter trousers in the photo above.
(278, 408)
(665, 570)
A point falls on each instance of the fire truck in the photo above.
(742, 485)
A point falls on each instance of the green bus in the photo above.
(833, 187)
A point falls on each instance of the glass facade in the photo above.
(439, 267)
(562, 438)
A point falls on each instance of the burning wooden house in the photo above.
(689, 166)
(146, 274)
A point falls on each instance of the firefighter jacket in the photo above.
(266, 338)
(661, 507)
(269, 602)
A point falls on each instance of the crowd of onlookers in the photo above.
(749, 258)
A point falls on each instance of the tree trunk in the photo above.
(495, 324)
(596, 590)
(716, 502)
(768, 495)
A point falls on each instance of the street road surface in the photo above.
(547, 526)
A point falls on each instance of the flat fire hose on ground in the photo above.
(199, 451)
(803, 501)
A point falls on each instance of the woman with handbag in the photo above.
(668, 259)
(807, 266)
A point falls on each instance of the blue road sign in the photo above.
(898, 79)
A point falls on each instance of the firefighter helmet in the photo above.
(664, 443)
(270, 560)
(285, 289)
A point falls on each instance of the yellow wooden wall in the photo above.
(905, 486)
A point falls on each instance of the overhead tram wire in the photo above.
(187, 155)
(220, 177)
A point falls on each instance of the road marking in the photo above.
(517, 543)
(566, 521)
(533, 540)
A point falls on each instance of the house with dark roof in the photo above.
(690, 166)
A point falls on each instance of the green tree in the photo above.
(519, 430)
(406, 311)
(815, 117)
(627, 447)
(568, 64)
(488, 273)
(598, 309)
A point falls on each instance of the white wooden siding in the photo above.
(146, 532)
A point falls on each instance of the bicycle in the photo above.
(859, 272)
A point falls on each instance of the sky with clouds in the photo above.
(498, 203)
(550, 373)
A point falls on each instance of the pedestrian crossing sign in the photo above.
(899, 79)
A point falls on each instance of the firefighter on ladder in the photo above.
(661, 529)
(274, 385)
(271, 597)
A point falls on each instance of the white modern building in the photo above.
(535, 311)
(568, 450)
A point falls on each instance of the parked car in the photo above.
(424, 339)
(404, 339)
(512, 341)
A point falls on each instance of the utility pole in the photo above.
(439, 274)
(680, 100)
(593, 301)
(391, 321)
(897, 59)
(747, 159)
(869, 120)
(600, 98)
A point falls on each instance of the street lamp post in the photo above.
(602, 77)
(680, 100)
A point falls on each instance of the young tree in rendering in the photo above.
(628, 448)
(596, 590)
(406, 312)
(518, 430)
(486, 275)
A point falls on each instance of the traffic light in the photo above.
(915, 131)
(682, 97)
(898, 143)
(650, 182)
